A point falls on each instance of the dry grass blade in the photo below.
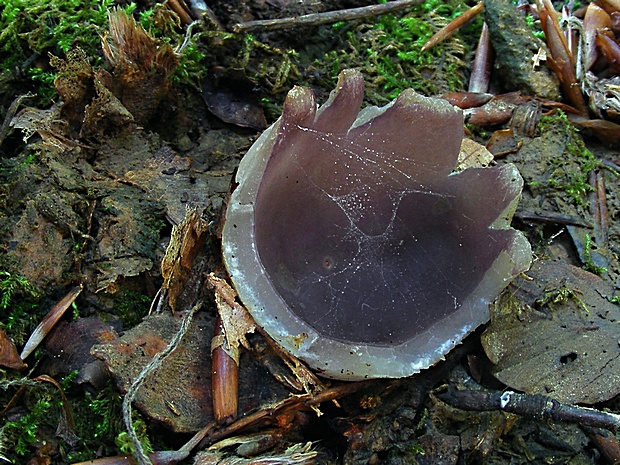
(454, 26)
(66, 428)
(50, 321)
(561, 61)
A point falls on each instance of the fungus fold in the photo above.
(353, 243)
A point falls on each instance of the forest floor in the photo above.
(95, 175)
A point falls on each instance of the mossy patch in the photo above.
(576, 164)
(388, 52)
(32, 29)
(555, 167)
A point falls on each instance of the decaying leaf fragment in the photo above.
(472, 155)
(178, 393)
(236, 320)
(8, 353)
(142, 65)
(185, 242)
(237, 323)
(557, 335)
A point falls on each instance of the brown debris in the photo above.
(503, 142)
(68, 349)
(298, 454)
(609, 48)
(606, 131)
(231, 97)
(596, 18)
(224, 376)
(472, 154)
(481, 67)
(185, 243)
(610, 6)
(104, 113)
(178, 394)
(466, 100)
(236, 320)
(498, 110)
(9, 357)
(561, 60)
(142, 66)
(74, 83)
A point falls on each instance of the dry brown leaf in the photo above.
(237, 323)
(472, 155)
(178, 393)
(186, 240)
(557, 335)
(8, 353)
(236, 320)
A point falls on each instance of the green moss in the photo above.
(534, 24)
(18, 305)
(162, 24)
(388, 52)
(97, 422)
(12, 285)
(560, 296)
(39, 412)
(575, 165)
(24, 429)
(123, 440)
(131, 307)
(30, 29)
(588, 262)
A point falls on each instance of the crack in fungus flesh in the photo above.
(353, 243)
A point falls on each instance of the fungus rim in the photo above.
(355, 361)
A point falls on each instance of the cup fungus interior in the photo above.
(352, 242)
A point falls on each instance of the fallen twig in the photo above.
(605, 442)
(268, 414)
(328, 17)
(598, 208)
(530, 405)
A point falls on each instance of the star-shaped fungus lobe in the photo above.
(352, 242)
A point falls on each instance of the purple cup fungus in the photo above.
(354, 245)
